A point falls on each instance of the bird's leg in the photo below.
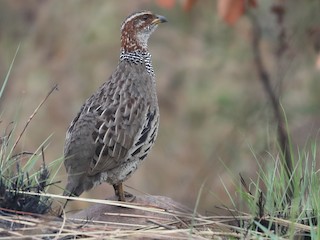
(118, 189)
(122, 195)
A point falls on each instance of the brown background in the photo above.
(215, 118)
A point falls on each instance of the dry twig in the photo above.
(33, 114)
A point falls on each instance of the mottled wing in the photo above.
(114, 134)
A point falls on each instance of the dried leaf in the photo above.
(230, 10)
(189, 5)
(166, 3)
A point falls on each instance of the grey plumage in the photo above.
(117, 126)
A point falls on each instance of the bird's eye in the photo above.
(145, 17)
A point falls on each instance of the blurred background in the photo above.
(216, 119)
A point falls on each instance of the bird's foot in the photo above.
(123, 196)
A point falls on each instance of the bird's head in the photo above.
(137, 28)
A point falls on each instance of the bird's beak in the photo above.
(159, 19)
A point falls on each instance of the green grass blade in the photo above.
(9, 71)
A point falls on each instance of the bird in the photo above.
(117, 126)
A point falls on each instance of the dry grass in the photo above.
(21, 225)
(185, 226)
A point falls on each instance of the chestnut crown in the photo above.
(136, 30)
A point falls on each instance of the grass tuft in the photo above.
(272, 214)
(17, 170)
